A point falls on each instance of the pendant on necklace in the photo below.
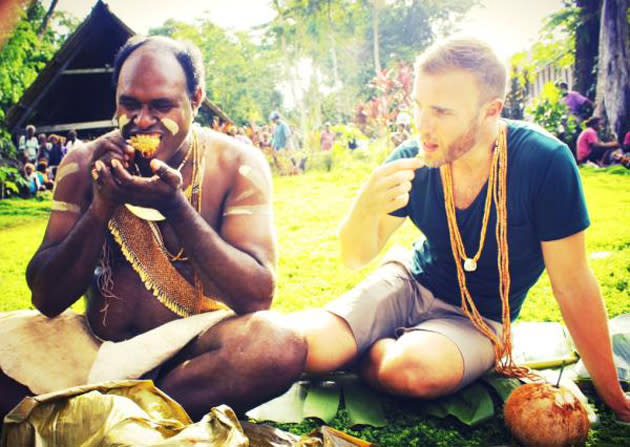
(470, 265)
(145, 213)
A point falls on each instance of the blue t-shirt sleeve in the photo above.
(560, 207)
(407, 149)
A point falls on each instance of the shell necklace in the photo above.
(497, 191)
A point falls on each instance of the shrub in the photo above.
(11, 182)
(549, 111)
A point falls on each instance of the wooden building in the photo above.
(75, 89)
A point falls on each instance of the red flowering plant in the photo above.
(391, 95)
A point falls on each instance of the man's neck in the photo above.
(179, 155)
(476, 162)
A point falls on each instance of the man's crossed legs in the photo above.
(242, 361)
(407, 342)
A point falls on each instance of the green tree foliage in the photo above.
(549, 111)
(240, 74)
(24, 55)
(557, 43)
(406, 27)
(338, 37)
(518, 88)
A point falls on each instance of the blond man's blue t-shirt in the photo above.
(545, 202)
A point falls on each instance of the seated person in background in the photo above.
(265, 139)
(430, 324)
(589, 146)
(579, 105)
(32, 178)
(241, 136)
(168, 236)
(401, 135)
(403, 122)
(42, 174)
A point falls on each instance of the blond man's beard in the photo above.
(457, 148)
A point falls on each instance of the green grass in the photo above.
(308, 211)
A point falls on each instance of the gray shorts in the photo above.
(390, 302)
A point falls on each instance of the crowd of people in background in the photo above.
(282, 143)
(41, 154)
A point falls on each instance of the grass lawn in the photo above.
(308, 211)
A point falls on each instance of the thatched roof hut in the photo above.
(74, 90)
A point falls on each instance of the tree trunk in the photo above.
(333, 56)
(375, 40)
(586, 46)
(613, 79)
(336, 80)
(46, 20)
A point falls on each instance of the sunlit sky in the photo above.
(508, 25)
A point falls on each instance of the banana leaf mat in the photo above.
(544, 346)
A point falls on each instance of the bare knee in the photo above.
(330, 341)
(284, 347)
(410, 377)
(406, 368)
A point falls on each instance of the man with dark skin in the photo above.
(229, 246)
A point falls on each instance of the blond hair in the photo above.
(471, 55)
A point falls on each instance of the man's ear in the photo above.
(494, 108)
(197, 99)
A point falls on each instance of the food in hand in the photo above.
(145, 144)
(544, 415)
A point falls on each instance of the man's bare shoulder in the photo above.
(231, 153)
(73, 182)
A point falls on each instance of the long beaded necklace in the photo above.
(194, 151)
(497, 192)
(470, 264)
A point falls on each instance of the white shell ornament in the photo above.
(470, 265)
(145, 213)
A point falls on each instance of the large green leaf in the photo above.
(322, 401)
(435, 408)
(471, 406)
(363, 404)
(502, 385)
(287, 408)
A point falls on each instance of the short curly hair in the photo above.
(186, 53)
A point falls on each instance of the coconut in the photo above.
(545, 415)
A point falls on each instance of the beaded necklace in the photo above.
(147, 256)
(194, 185)
(497, 192)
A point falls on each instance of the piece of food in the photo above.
(545, 415)
(123, 120)
(145, 144)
